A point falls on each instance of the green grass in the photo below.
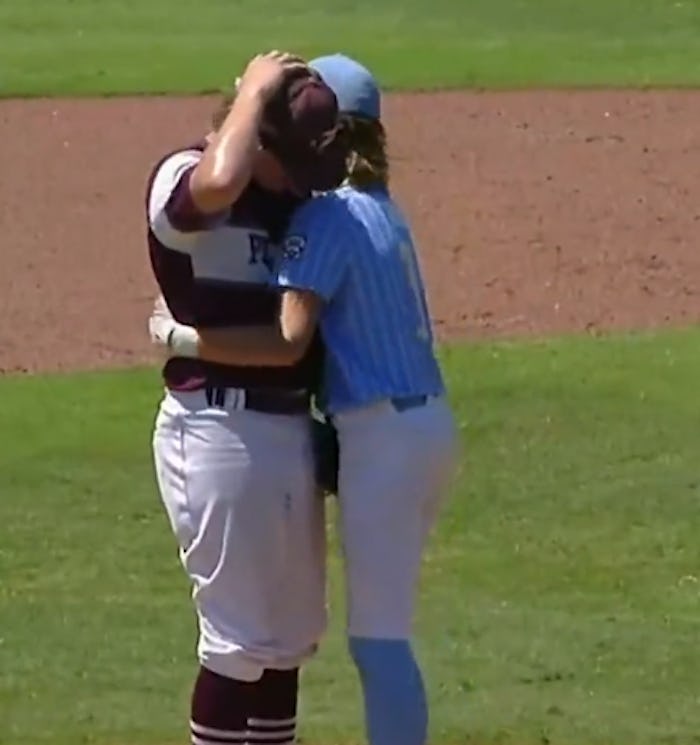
(118, 46)
(560, 600)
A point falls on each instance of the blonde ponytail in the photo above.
(368, 162)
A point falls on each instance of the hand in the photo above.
(173, 339)
(161, 324)
(266, 72)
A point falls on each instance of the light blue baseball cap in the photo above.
(354, 85)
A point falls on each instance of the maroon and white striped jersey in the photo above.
(215, 271)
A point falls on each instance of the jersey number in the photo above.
(408, 257)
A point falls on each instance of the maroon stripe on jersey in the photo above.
(183, 214)
(207, 303)
(175, 277)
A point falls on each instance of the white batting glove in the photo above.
(172, 338)
(160, 323)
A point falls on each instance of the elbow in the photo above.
(293, 351)
(292, 354)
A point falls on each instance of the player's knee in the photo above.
(381, 609)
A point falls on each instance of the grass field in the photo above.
(561, 596)
(117, 46)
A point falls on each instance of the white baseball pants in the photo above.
(239, 492)
(394, 472)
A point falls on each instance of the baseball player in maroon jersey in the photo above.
(232, 444)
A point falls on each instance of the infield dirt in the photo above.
(535, 213)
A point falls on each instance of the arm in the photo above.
(227, 164)
(192, 190)
(280, 345)
(315, 260)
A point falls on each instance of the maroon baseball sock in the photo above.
(272, 719)
(220, 709)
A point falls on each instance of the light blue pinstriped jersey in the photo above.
(355, 250)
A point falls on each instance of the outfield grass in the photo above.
(117, 46)
(560, 599)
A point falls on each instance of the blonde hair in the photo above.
(368, 162)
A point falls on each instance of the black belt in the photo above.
(408, 402)
(265, 401)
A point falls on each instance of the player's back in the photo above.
(376, 324)
(385, 271)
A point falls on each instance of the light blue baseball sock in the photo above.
(396, 710)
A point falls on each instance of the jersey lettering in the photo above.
(261, 251)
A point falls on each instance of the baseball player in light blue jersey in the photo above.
(349, 266)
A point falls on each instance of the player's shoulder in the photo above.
(176, 159)
(166, 173)
(320, 219)
(322, 207)
(174, 162)
(363, 204)
(319, 214)
(350, 196)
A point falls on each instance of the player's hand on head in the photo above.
(265, 73)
